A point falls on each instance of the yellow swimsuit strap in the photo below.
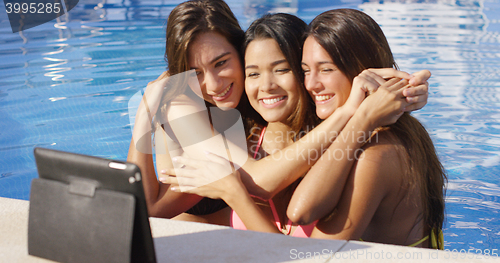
(437, 239)
(419, 242)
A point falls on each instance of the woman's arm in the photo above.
(262, 178)
(160, 200)
(198, 179)
(370, 181)
(268, 176)
(320, 190)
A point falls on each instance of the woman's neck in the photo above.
(277, 136)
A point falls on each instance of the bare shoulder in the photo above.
(182, 106)
(162, 79)
(381, 146)
(381, 157)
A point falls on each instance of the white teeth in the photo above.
(272, 101)
(323, 97)
(224, 92)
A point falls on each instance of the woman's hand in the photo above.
(213, 178)
(387, 104)
(418, 91)
(366, 83)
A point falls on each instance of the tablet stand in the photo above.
(78, 222)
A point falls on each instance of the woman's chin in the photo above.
(226, 105)
(323, 113)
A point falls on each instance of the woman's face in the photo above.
(328, 86)
(218, 68)
(270, 84)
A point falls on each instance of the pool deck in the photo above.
(177, 241)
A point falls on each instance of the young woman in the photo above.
(394, 193)
(273, 84)
(205, 36)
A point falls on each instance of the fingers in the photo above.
(168, 179)
(216, 158)
(413, 91)
(182, 174)
(416, 96)
(374, 77)
(387, 73)
(395, 85)
(188, 162)
(368, 81)
(420, 77)
(185, 189)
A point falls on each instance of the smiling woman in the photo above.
(324, 82)
(270, 83)
(204, 36)
(395, 190)
(218, 68)
(274, 86)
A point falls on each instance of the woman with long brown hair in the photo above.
(204, 36)
(395, 189)
(273, 84)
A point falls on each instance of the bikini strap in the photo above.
(277, 218)
(259, 143)
(419, 242)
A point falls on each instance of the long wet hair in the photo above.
(185, 23)
(288, 31)
(355, 42)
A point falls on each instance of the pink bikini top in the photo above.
(300, 231)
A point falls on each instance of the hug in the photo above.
(331, 87)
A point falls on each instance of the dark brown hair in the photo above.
(185, 23)
(355, 42)
(288, 31)
(192, 18)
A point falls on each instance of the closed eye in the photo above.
(283, 71)
(220, 63)
(252, 75)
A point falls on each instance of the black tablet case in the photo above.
(82, 209)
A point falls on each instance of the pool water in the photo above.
(66, 85)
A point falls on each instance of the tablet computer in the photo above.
(76, 191)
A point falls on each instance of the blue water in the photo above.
(66, 84)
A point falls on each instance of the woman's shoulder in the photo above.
(382, 144)
(383, 156)
(184, 105)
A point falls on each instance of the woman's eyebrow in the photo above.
(219, 57)
(318, 63)
(277, 62)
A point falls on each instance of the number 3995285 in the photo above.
(33, 8)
